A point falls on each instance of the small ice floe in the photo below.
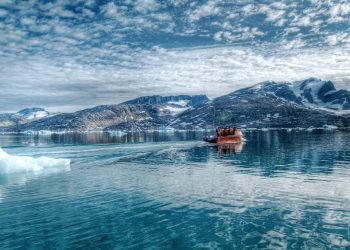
(310, 128)
(16, 164)
(329, 127)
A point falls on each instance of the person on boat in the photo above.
(238, 133)
(231, 131)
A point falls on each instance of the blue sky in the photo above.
(67, 55)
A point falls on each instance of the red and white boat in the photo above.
(235, 137)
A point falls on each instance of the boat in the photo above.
(236, 137)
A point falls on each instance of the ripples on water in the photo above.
(279, 190)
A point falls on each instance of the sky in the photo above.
(67, 55)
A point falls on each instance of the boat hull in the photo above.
(224, 139)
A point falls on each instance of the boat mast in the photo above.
(214, 116)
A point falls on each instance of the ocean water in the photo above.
(278, 190)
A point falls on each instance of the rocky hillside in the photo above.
(308, 103)
(105, 117)
(258, 108)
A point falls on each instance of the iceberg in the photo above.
(19, 164)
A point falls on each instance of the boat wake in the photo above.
(19, 164)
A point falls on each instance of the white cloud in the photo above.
(341, 9)
(224, 35)
(88, 13)
(28, 21)
(85, 48)
(339, 12)
(3, 12)
(6, 3)
(164, 71)
(145, 6)
(279, 5)
(204, 10)
(337, 38)
(249, 9)
(303, 21)
(272, 15)
(178, 3)
(110, 10)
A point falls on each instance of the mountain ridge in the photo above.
(308, 103)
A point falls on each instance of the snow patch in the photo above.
(174, 110)
(182, 103)
(36, 115)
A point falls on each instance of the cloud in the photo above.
(303, 21)
(204, 10)
(110, 10)
(163, 71)
(272, 15)
(110, 51)
(145, 6)
(337, 38)
(3, 12)
(340, 10)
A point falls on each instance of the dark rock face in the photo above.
(325, 90)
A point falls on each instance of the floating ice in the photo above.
(15, 164)
(329, 127)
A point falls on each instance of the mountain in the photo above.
(33, 113)
(170, 105)
(308, 103)
(312, 92)
(23, 116)
(104, 117)
(144, 113)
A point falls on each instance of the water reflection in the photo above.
(229, 148)
(97, 138)
(281, 190)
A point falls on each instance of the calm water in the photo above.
(171, 191)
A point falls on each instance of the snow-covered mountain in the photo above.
(32, 113)
(144, 113)
(23, 116)
(308, 103)
(312, 92)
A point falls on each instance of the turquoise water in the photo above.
(280, 190)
